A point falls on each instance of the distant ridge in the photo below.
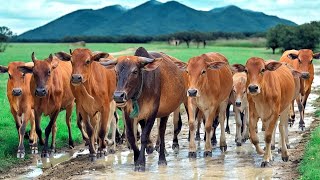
(153, 18)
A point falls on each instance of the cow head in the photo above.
(303, 60)
(129, 75)
(42, 73)
(81, 60)
(255, 69)
(16, 81)
(239, 88)
(197, 68)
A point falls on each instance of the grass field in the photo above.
(22, 52)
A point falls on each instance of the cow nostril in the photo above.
(253, 88)
(192, 92)
(238, 103)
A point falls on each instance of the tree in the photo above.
(273, 38)
(184, 36)
(5, 35)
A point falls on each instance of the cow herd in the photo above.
(150, 85)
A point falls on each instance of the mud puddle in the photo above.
(237, 163)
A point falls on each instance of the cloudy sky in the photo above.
(23, 15)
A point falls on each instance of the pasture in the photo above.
(22, 52)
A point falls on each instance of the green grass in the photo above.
(22, 52)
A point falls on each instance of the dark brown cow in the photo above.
(271, 88)
(210, 84)
(92, 97)
(21, 104)
(50, 87)
(147, 88)
(301, 61)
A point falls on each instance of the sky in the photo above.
(24, 15)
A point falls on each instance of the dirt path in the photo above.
(238, 162)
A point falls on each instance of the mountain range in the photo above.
(153, 18)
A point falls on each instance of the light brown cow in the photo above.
(271, 88)
(210, 84)
(50, 87)
(21, 104)
(93, 87)
(301, 61)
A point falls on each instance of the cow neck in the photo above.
(134, 113)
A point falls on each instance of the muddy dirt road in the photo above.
(237, 163)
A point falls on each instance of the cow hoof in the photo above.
(45, 154)
(92, 157)
(239, 144)
(198, 138)
(34, 150)
(192, 155)
(244, 140)
(149, 149)
(111, 151)
(265, 164)
(223, 148)
(157, 148)
(162, 162)
(301, 127)
(119, 141)
(279, 150)
(285, 159)
(175, 147)
(273, 147)
(140, 168)
(21, 154)
(263, 128)
(288, 146)
(227, 130)
(214, 142)
(207, 154)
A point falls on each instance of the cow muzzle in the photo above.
(238, 103)
(120, 97)
(76, 79)
(192, 92)
(254, 89)
(41, 92)
(305, 75)
(16, 91)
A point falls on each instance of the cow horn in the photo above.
(109, 62)
(70, 51)
(145, 60)
(33, 57)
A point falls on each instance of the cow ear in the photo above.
(3, 69)
(98, 56)
(216, 65)
(109, 64)
(181, 65)
(296, 73)
(316, 56)
(238, 68)
(292, 56)
(152, 65)
(25, 69)
(63, 56)
(272, 66)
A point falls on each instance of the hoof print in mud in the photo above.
(162, 163)
(175, 147)
(223, 148)
(265, 164)
(149, 149)
(285, 159)
(192, 155)
(207, 154)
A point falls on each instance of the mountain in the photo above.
(153, 18)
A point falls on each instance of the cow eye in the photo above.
(203, 71)
(299, 61)
(49, 72)
(311, 62)
(87, 62)
(262, 71)
(233, 90)
(135, 72)
(187, 71)
(246, 71)
(23, 75)
(244, 91)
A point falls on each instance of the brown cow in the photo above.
(50, 87)
(91, 96)
(271, 88)
(210, 84)
(145, 89)
(301, 61)
(21, 104)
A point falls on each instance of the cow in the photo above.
(301, 60)
(21, 104)
(271, 88)
(148, 87)
(92, 97)
(50, 88)
(209, 87)
(241, 107)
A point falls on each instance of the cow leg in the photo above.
(301, 106)
(33, 141)
(214, 126)
(22, 129)
(268, 137)
(112, 121)
(149, 148)
(91, 135)
(222, 117)
(252, 128)
(53, 142)
(129, 124)
(238, 138)
(157, 147)
(177, 124)
(245, 133)
(283, 134)
(119, 139)
(192, 144)
(208, 128)
(104, 122)
(199, 120)
(141, 162)
(273, 141)
(292, 114)
(68, 121)
(37, 118)
(80, 126)
(162, 130)
(228, 114)
(53, 117)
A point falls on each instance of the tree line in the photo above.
(305, 36)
